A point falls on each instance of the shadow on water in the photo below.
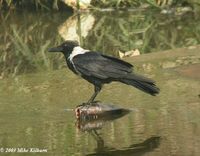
(135, 149)
(93, 119)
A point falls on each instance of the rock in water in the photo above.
(99, 110)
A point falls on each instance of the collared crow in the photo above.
(100, 69)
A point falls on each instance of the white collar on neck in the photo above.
(76, 51)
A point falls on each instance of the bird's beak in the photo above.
(55, 49)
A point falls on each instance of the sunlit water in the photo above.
(37, 107)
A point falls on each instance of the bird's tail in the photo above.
(145, 84)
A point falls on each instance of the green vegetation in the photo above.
(117, 3)
(59, 5)
(24, 45)
(146, 31)
(37, 4)
(26, 36)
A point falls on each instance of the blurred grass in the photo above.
(24, 45)
(25, 37)
(147, 31)
(59, 5)
(117, 3)
(46, 5)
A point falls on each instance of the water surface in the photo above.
(37, 112)
(38, 94)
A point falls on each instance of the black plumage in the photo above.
(99, 69)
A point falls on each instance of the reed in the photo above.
(25, 38)
(24, 4)
(146, 32)
(56, 4)
(24, 48)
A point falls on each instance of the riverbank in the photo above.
(69, 5)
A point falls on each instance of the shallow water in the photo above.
(36, 111)
(38, 95)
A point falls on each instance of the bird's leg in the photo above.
(97, 89)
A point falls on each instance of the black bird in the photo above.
(99, 69)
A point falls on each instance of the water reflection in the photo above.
(76, 27)
(32, 114)
(93, 125)
(31, 104)
(135, 149)
(93, 117)
(24, 44)
(113, 31)
(129, 30)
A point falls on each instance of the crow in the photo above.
(100, 69)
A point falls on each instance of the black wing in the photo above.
(101, 66)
